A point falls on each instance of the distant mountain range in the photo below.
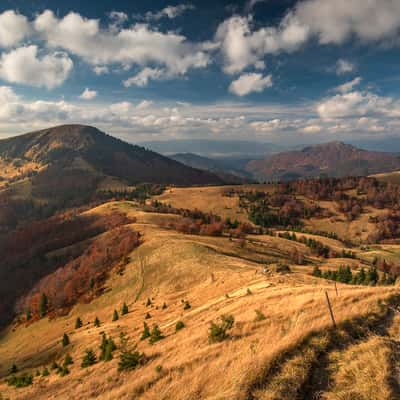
(215, 148)
(335, 159)
(228, 169)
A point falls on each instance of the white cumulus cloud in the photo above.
(25, 66)
(248, 83)
(13, 28)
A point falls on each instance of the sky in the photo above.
(280, 71)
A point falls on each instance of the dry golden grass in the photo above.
(362, 372)
(214, 275)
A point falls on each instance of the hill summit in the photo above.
(336, 159)
(86, 147)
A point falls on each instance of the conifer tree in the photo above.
(146, 332)
(155, 334)
(78, 323)
(88, 359)
(45, 372)
(148, 303)
(96, 322)
(115, 316)
(65, 340)
(67, 360)
(13, 369)
(124, 309)
(43, 305)
(28, 314)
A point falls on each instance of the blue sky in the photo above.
(275, 70)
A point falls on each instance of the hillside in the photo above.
(335, 159)
(280, 345)
(45, 171)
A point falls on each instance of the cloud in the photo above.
(23, 65)
(242, 47)
(100, 69)
(329, 22)
(170, 12)
(88, 94)
(312, 129)
(333, 22)
(13, 28)
(248, 83)
(348, 87)
(137, 45)
(142, 78)
(354, 104)
(344, 67)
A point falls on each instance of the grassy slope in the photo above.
(213, 274)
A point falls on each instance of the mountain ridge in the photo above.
(334, 158)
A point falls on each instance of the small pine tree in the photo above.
(164, 306)
(147, 316)
(124, 309)
(107, 347)
(248, 292)
(96, 322)
(13, 369)
(28, 314)
(78, 323)
(43, 305)
(259, 316)
(45, 372)
(146, 332)
(88, 359)
(65, 340)
(115, 316)
(129, 360)
(179, 325)
(68, 360)
(148, 303)
(155, 335)
(186, 305)
(317, 272)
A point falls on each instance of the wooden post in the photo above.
(330, 309)
(336, 289)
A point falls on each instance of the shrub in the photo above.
(148, 303)
(158, 368)
(20, 381)
(259, 316)
(65, 340)
(88, 359)
(115, 316)
(146, 332)
(124, 309)
(186, 305)
(164, 306)
(248, 291)
(155, 334)
(218, 331)
(63, 370)
(179, 325)
(78, 323)
(147, 316)
(130, 360)
(45, 372)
